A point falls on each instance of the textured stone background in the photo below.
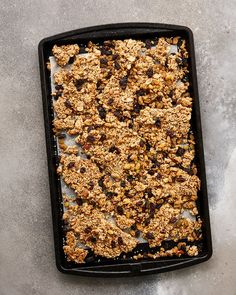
(27, 263)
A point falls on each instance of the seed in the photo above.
(150, 73)
(71, 164)
(87, 230)
(79, 83)
(120, 210)
(120, 241)
(113, 244)
(123, 82)
(180, 152)
(79, 201)
(149, 236)
(82, 170)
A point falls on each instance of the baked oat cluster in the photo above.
(127, 107)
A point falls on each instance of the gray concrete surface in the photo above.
(27, 263)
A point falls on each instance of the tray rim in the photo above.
(134, 268)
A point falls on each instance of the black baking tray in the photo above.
(121, 267)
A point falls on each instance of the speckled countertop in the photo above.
(27, 263)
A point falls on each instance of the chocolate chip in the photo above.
(87, 230)
(149, 236)
(150, 73)
(158, 122)
(71, 165)
(93, 239)
(123, 82)
(79, 201)
(68, 104)
(61, 135)
(91, 138)
(170, 133)
(180, 179)
(103, 62)
(173, 219)
(114, 149)
(151, 172)
(110, 101)
(113, 244)
(122, 183)
(82, 170)
(117, 65)
(120, 241)
(79, 83)
(103, 137)
(148, 44)
(180, 152)
(71, 60)
(120, 210)
(101, 112)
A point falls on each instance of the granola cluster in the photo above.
(127, 108)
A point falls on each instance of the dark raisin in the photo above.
(59, 87)
(174, 102)
(87, 229)
(130, 178)
(173, 219)
(110, 101)
(114, 149)
(126, 193)
(103, 137)
(68, 104)
(147, 204)
(117, 65)
(93, 239)
(79, 201)
(122, 183)
(131, 125)
(180, 152)
(171, 93)
(158, 122)
(100, 181)
(105, 51)
(119, 116)
(101, 112)
(142, 143)
(115, 56)
(129, 160)
(158, 176)
(88, 157)
(120, 210)
(185, 79)
(159, 98)
(148, 44)
(108, 76)
(123, 82)
(139, 203)
(158, 206)
(147, 221)
(162, 231)
(61, 135)
(137, 233)
(91, 184)
(71, 60)
(91, 138)
(99, 83)
(110, 194)
(170, 133)
(148, 146)
(137, 108)
(120, 241)
(149, 236)
(180, 179)
(133, 226)
(151, 172)
(152, 207)
(150, 73)
(141, 92)
(90, 128)
(165, 154)
(79, 83)
(103, 62)
(82, 170)
(71, 165)
(148, 191)
(155, 162)
(113, 244)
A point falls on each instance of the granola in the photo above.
(127, 107)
